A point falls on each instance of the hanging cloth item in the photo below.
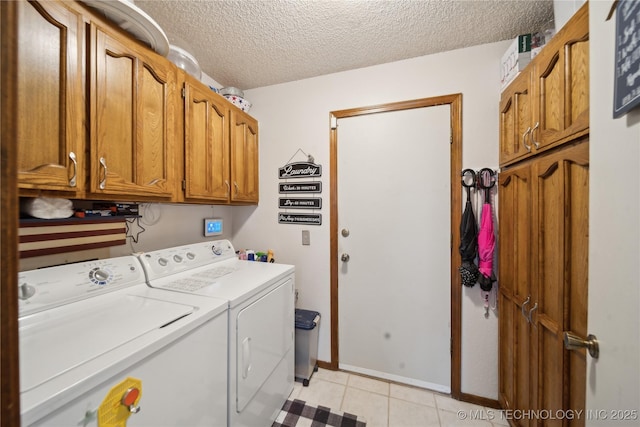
(486, 236)
(468, 236)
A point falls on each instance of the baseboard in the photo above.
(479, 400)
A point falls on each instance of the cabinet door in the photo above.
(515, 288)
(515, 120)
(244, 158)
(206, 139)
(50, 103)
(132, 119)
(560, 242)
(561, 84)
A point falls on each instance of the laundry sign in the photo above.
(300, 187)
(296, 218)
(627, 58)
(300, 170)
(300, 203)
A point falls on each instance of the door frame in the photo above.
(455, 103)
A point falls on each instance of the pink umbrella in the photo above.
(486, 236)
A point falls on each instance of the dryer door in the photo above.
(265, 335)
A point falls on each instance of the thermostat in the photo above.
(212, 227)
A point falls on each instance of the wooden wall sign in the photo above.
(300, 187)
(626, 92)
(300, 203)
(300, 170)
(295, 218)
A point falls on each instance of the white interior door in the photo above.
(394, 221)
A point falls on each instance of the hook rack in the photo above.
(483, 179)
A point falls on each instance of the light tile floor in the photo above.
(386, 404)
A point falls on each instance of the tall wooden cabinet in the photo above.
(543, 217)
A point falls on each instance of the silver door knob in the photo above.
(345, 257)
(574, 342)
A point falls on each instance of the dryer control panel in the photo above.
(165, 262)
(50, 287)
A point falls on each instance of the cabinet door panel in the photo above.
(560, 273)
(206, 146)
(132, 128)
(244, 158)
(550, 98)
(515, 120)
(50, 97)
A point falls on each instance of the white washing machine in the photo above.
(98, 346)
(261, 320)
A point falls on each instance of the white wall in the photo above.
(613, 381)
(296, 116)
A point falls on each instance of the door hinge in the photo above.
(184, 184)
(451, 346)
(451, 137)
(184, 93)
(334, 122)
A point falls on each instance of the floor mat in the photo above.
(296, 413)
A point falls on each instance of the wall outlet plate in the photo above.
(213, 227)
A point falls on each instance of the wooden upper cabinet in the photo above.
(50, 106)
(556, 86)
(206, 144)
(132, 109)
(244, 158)
(515, 120)
(561, 81)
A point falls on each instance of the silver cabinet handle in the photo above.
(345, 257)
(524, 138)
(228, 186)
(73, 180)
(534, 308)
(103, 183)
(533, 139)
(574, 342)
(524, 304)
(235, 184)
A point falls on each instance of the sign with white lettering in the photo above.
(307, 219)
(300, 170)
(301, 203)
(300, 187)
(627, 68)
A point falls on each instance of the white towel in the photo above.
(47, 207)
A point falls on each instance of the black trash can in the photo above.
(307, 326)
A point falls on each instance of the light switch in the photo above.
(306, 238)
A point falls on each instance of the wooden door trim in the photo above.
(9, 360)
(455, 103)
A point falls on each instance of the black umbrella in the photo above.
(468, 236)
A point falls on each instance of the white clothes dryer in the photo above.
(261, 320)
(96, 343)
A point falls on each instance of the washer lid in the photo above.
(56, 341)
(134, 20)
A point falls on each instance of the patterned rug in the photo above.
(296, 413)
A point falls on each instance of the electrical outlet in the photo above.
(306, 238)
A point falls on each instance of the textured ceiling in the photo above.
(255, 43)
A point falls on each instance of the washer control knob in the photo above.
(191, 255)
(101, 275)
(216, 250)
(163, 262)
(177, 258)
(26, 291)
